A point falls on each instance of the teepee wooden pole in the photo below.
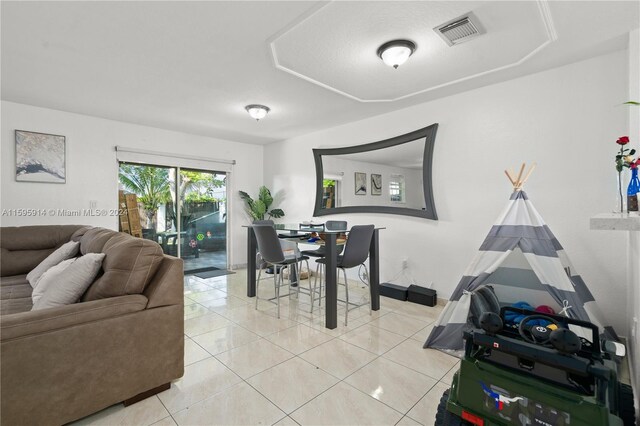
(509, 177)
(533, 167)
(518, 181)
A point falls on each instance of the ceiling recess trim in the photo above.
(545, 15)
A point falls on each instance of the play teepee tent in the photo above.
(521, 260)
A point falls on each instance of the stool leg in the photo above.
(308, 276)
(321, 284)
(315, 285)
(346, 289)
(276, 281)
(295, 271)
(298, 272)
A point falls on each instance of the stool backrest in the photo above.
(336, 225)
(268, 243)
(356, 250)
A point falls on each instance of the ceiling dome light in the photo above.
(257, 111)
(396, 52)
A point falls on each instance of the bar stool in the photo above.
(320, 252)
(272, 255)
(356, 252)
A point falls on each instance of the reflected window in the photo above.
(397, 189)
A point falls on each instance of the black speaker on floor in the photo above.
(393, 291)
(422, 295)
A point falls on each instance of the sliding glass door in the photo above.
(183, 210)
(203, 219)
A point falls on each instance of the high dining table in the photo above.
(331, 274)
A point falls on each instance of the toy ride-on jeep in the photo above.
(544, 370)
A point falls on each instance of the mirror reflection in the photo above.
(384, 177)
(389, 176)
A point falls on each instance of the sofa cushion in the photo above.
(13, 280)
(80, 233)
(64, 252)
(15, 306)
(67, 285)
(16, 291)
(37, 237)
(24, 247)
(94, 239)
(129, 265)
(15, 295)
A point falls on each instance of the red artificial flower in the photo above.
(623, 140)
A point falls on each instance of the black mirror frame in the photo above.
(429, 133)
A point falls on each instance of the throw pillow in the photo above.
(64, 252)
(71, 282)
(48, 278)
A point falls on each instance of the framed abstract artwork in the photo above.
(361, 183)
(376, 184)
(40, 157)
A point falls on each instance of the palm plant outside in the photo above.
(150, 184)
(154, 186)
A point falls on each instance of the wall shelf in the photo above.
(616, 222)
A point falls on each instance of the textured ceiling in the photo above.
(340, 54)
(193, 66)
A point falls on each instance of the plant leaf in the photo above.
(245, 196)
(277, 213)
(265, 196)
(631, 103)
(259, 209)
(633, 151)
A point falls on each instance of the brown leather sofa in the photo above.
(122, 342)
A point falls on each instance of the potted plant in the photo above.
(257, 209)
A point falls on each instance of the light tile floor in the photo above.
(247, 367)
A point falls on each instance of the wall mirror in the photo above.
(388, 176)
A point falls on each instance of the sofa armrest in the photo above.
(167, 286)
(22, 324)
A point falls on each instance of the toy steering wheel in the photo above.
(536, 334)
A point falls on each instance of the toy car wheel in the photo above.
(446, 418)
(625, 405)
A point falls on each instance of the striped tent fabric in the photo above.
(523, 261)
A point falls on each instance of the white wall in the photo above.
(565, 119)
(92, 168)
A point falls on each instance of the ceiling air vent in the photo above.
(459, 30)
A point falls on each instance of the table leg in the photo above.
(293, 275)
(252, 250)
(374, 271)
(331, 285)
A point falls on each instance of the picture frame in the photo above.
(360, 183)
(376, 184)
(40, 157)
